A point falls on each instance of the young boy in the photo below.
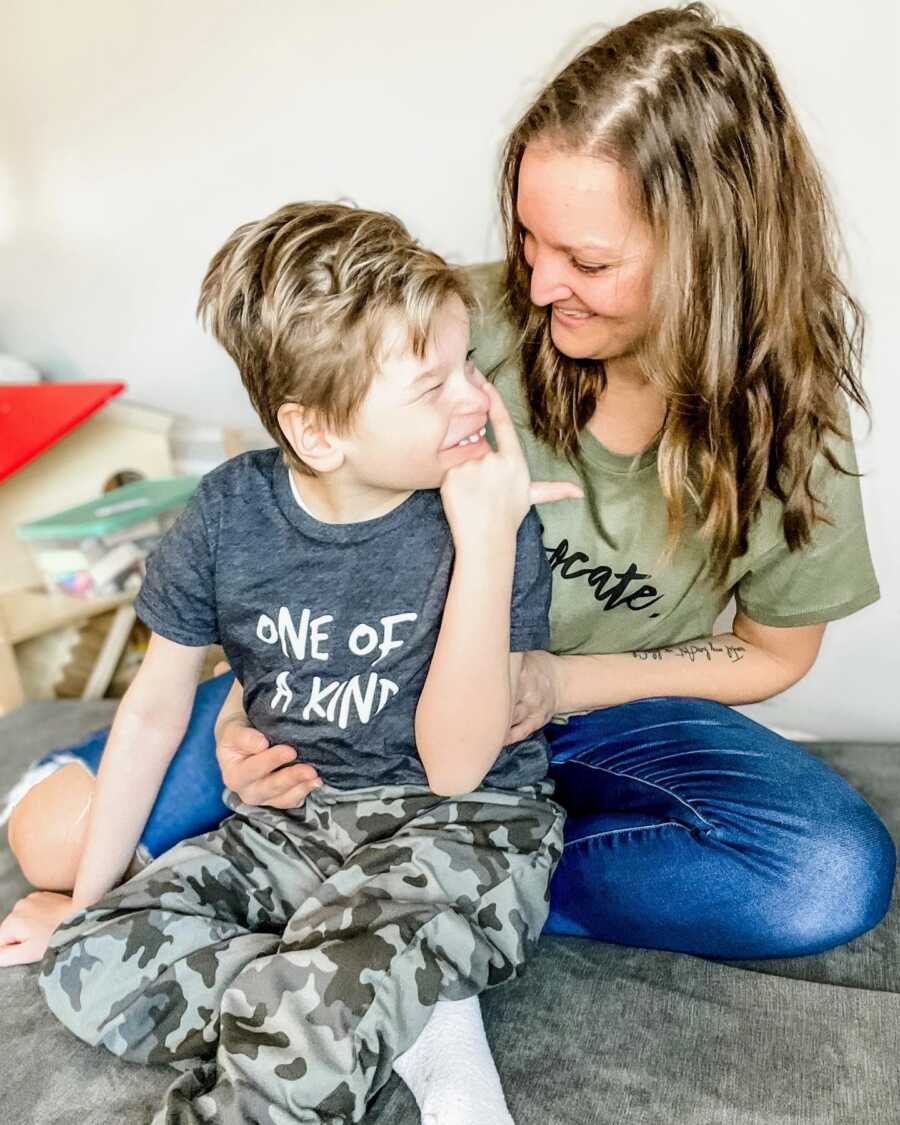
(283, 961)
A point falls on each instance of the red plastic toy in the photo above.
(35, 415)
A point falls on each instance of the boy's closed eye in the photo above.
(437, 386)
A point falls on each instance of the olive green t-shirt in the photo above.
(612, 592)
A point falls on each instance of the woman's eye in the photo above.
(431, 390)
(585, 267)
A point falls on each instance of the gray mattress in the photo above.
(592, 1033)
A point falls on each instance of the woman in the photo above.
(669, 332)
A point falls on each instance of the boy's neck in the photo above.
(342, 501)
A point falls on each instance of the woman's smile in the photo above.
(572, 318)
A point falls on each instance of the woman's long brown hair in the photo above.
(754, 335)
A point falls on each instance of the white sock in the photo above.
(450, 1069)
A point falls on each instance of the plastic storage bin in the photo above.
(98, 549)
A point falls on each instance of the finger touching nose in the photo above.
(481, 404)
(473, 398)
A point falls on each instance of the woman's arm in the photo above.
(251, 767)
(751, 663)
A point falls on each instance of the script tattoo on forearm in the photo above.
(693, 651)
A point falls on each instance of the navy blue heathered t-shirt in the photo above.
(330, 627)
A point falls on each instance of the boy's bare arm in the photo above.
(465, 707)
(148, 727)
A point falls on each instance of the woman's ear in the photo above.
(312, 443)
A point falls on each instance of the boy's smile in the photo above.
(432, 408)
(473, 439)
(421, 416)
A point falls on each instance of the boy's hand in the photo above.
(26, 930)
(250, 768)
(492, 495)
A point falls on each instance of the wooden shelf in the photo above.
(25, 614)
(32, 613)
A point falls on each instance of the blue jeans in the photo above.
(189, 801)
(693, 828)
(690, 828)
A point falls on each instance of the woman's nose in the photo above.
(548, 281)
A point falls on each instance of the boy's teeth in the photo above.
(472, 438)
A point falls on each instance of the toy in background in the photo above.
(61, 444)
(98, 549)
(65, 445)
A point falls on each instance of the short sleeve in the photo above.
(832, 576)
(177, 598)
(529, 618)
(491, 336)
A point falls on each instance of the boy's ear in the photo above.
(310, 441)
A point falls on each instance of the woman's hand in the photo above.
(537, 694)
(250, 766)
(26, 930)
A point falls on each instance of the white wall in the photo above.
(135, 135)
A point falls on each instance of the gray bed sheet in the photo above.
(591, 1034)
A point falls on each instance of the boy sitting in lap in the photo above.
(373, 582)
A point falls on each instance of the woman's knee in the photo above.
(790, 859)
(47, 827)
(838, 886)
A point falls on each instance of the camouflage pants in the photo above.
(282, 961)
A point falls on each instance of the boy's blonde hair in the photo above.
(299, 300)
